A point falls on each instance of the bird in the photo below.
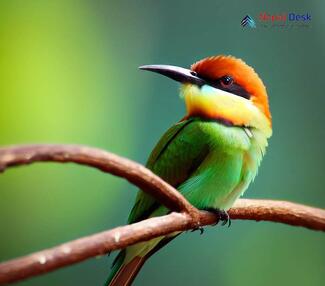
(211, 155)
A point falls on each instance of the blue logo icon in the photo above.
(248, 21)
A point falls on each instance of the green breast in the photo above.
(210, 163)
(231, 164)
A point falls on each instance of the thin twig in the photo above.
(101, 243)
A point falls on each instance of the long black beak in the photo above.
(176, 73)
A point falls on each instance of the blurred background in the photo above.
(69, 74)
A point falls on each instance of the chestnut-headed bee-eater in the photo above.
(211, 155)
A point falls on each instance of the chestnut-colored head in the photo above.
(235, 76)
(222, 88)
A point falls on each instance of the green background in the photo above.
(68, 74)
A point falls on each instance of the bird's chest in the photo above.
(231, 165)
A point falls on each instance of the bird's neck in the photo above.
(214, 104)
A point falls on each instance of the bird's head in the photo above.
(222, 88)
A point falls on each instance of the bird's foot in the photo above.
(200, 228)
(222, 215)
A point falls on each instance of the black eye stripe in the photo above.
(238, 90)
(232, 88)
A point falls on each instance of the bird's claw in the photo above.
(200, 228)
(222, 215)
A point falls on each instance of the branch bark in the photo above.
(105, 161)
(120, 237)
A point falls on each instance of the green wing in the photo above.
(178, 153)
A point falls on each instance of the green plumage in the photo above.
(210, 163)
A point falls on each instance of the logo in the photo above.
(282, 20)
(248, 21)
(284, 17)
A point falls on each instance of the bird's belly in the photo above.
(219, 181)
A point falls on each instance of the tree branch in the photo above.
(105, 161)
(120, 237)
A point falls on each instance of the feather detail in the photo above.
(125, 275)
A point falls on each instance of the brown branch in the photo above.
(120, 237)
(107, 162)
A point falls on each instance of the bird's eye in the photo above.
(226, 81)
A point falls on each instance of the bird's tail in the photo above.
(124, 274)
